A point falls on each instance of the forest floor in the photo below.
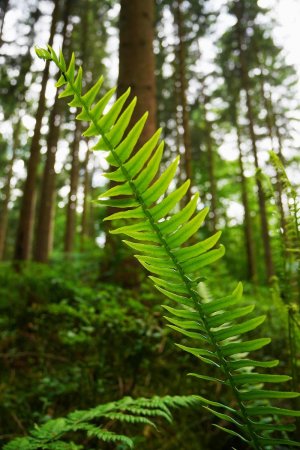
(70, 341)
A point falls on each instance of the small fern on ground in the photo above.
(291, 234)
(159, 237)
(55, 434)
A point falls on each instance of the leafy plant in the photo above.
(290, 242)
(96, 421)
(160, 234)
(291, 233)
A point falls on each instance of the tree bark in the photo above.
(182, 88)
(3, 11)
(86, 203)
(45, 209)
(279, 187)
(210, 164)
(72, 199)
(46, 212)
(250, 116)
(26, 220)
(136, 60)
(137, 70)
(74, 175)
(251, 260)
(270, 121)
(7, 190)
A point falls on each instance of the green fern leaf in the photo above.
(51, 435)
(164, 228)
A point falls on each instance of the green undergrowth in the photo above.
(71, 342)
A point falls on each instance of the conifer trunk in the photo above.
(136, 59)
(7, 191)
(137, 70)
(267, 108)
(210, 165)
(182, 88)
(72, 198)
(3, 11)
(86, 204)
(26, 220)
(267, 102)
(277, 130)
(279, 187)
(74, 175)
(250, 116)
(45, 209)
(46, 203)
(251, 260)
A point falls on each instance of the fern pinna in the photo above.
(95, 423)
(158, 236)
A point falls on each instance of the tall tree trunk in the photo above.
(74, 175)
(212, 176)
(279, 187)
(137, 70)
(270, 124)
(276, 128)
(72, 199)
(179, 138)
(250, 116)
(182, 88)
(267, 108)
(136, 59)
(7, 190)
(26, 220)
(86, 203)
(211, 164)
(251, 260)
(46, 208)
(3, 11)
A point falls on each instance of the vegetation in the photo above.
(85, 354)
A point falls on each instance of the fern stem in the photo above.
(188, 283)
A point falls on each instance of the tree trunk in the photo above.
(277, 129)
(137, 70)
(251, 260)
(26, 220)
(7, 190)
(179, 138)
(46, 212)
(182, 88)
(211, 165)
(74, 175)
(3, 11)
(45, 209)
(250, 116)
(136, 59)
(279, 187)
(267, 108)
(86, 203)
(72, 200)
(270, 123)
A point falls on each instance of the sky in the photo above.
(287, 14)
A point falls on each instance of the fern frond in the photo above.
(293, 225)
(159, 233)
(51, 435)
